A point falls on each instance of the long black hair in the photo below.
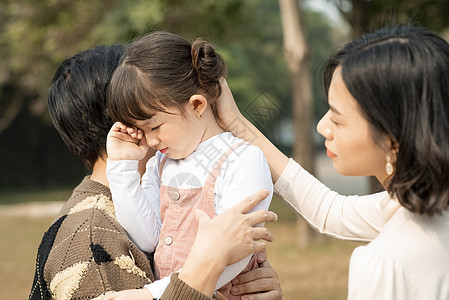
(400, 78)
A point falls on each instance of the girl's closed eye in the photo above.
(155, 127)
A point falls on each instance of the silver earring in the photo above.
(389, 166)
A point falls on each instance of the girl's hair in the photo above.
(160, 70)
(400, 78)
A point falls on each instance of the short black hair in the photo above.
(77, 100)
(399, 76)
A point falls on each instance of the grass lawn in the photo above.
(316, 272)
(20, 237)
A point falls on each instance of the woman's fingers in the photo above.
(251, 201)
(227, 110)
(201, 216)
(232, 234)
(223, 83)
(259, 246)
(261, 216)
(262, 233)
(256, 217)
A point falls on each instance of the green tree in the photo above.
(36, 36)
(367, 15)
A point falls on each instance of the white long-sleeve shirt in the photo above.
(137, 204)
(408, 256)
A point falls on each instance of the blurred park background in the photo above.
(274, 51)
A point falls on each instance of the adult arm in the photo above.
(232, 120)
(357, 218)
(352, 218)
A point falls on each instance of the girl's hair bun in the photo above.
(209, 67)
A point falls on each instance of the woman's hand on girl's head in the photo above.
(227, 109)
(124, 142)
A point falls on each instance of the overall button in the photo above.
(175, 196)
(168, 240)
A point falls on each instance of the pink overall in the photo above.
(179, 226)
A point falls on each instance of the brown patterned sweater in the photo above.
(86, 254)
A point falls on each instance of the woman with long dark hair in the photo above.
(388, 117)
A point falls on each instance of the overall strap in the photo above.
(161, 165)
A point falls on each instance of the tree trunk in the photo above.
(297, 57)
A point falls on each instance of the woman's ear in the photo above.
(394, 147)
(198, 104)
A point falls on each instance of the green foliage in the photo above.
(36, 36)
(368, 15)
(128, 20)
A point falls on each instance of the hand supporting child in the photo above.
(221, 241)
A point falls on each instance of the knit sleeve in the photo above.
(178, 289)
